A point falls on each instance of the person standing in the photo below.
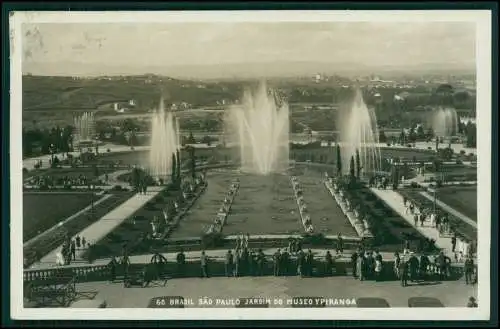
(247, 241)
(403, 271)
(453, 242)
(472, 302)
(73, 249)
(204, 265)
(238, 261)
(328, 263)
(181, 261)
(310, 263)
(378, 269)
(229, 263)
(276, 262)
(397, 264)
(300, 263)
(354, 264)
(260, 262)
(285, 262)
(469, 270)
(78, 241)
(112, 269)
(340, 244)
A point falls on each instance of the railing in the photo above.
(216, 267)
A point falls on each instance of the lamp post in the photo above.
(51, 150)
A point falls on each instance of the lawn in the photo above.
(42, 210)
(463, 199)
(461, 227)
(47, 243)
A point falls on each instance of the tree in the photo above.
(358, 165)
(402, 137)
(471, 135)
(381, 137)
(430, 133)
(191, 139)
(351, 168)
(135, 178)
(206, 140)
(420, 132)
(193, 162)
(174, 173)
(412, 137)
(339, 161)
(178, 164)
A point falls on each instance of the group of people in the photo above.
(69, 248)
(461, 246)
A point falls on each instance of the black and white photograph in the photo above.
(241, 165)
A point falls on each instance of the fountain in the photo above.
(359, 132)
(165, 142)
(445, 122)
(84, 127)
(260, 125)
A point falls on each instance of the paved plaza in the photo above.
(450, 293)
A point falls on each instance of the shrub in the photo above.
(388, 144)
(212, 240)
(462, 152)
(429, 148)
(414, 184)
(314, 239)
(117, 188)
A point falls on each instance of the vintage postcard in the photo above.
(241, 165)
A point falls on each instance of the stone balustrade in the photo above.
(223, 213)
(92, 273)
(302, 206)
(361, 226)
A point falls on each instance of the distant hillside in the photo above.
(52, 93)
(241, 70)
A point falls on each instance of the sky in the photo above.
(91, 48)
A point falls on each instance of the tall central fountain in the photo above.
(445, 122)
(260, 126)
(165, 141)
(359, 133)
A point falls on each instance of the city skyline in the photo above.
(272, 48)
